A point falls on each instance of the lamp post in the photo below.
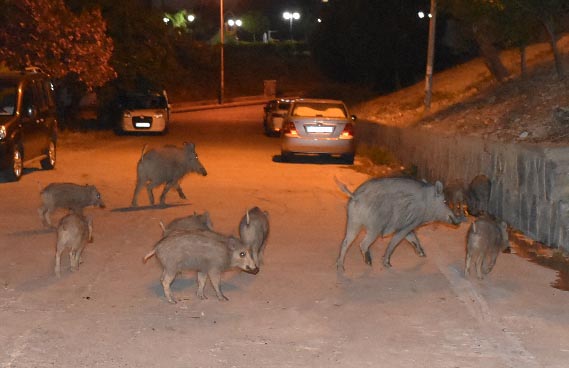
(290, 17)
(430, 55)
(221, 40)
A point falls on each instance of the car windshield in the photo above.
(7, 99)
(135, 102)
(319, 109)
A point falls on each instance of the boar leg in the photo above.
(366, 243)
(137, 189)
(351, 232)
(393, 243)
(58, 262)
(202, 278)
(44, 216)
(149, 188)
(412, 238)
(180, 191)
(215, 278)
(467, 263)
(167, 188)
(478, 263)
(167, 279)
(491, 258)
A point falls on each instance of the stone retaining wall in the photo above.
(530, 183)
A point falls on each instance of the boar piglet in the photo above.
(485, 239)
(166, 165)
(478, 195)
(69, 196)
(253, 231)
(392, 206)
(207, 252)
(455, 195)
(73, 232)
(188, 223)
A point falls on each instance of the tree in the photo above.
(65, 44)
(255, 23)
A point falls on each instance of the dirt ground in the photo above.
(467, 101)
(297, 312)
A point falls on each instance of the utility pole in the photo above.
(430, 56)
(221, 62)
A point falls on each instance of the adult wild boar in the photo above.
(69, 196)
(485, 239)
(253, 231)
(188, 223)
(392, 206)
(166, 165)
(207, 252)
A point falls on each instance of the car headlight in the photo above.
(126, 114)
(2, 132)
(158, 116)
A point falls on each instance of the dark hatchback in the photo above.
(28, 122)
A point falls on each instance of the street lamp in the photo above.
(221, 41)
(290, 17)
(191, 18)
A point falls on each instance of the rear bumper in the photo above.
(145, 125)
(331, 146)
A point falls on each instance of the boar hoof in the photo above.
(386, 263)
(171, 301)
(368, 257)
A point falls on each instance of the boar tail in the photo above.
(248, 219)
(162, 226)
(149, 255)
(142, 153)
(343, 187)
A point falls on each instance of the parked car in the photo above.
(318, 126)
(28, 122)
(275, 111)
(145, 112)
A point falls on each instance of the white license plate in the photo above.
(319, 129)
(142, 125)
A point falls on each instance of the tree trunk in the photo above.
(490, 54)
(550, 28)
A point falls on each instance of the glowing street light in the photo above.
(234, 22)
(290, 17)
(166, 20)
(191, 18)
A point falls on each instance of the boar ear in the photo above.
(232, 243)
(438, 188)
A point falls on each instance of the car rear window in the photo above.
(284, 105)
(135, 102)
(319, 110)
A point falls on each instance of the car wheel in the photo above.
(14, 172)
(348, 159)
(48, 163)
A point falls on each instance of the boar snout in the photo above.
(252, 271)
(203, 171)
(456, 220)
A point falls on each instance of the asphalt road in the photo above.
(297, 312)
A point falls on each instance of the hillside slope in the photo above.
(466, 100)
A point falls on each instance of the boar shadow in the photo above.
(145, 208)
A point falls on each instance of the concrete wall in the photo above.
(530, 183)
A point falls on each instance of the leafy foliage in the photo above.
(46, 34)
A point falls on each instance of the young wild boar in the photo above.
(69, 196)
(204, 251)
(455, 195)
(166, 165)
(253, 231)
(392, 206)
(478, 195)
(484, 241)
(73, 232)
(188, 223)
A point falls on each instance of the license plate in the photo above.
(142, 124)
(319, 129)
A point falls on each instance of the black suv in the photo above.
(28, 122)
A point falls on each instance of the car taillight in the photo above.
(290, 128)
(348, 131)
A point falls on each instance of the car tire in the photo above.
(16, 168)
(48, 163)
(348, 159)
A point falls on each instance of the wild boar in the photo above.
(455, 195)
(188, 223)
(485, 239)
(253, 231)
(392, 206)
(478, 195)
(166, 165)
(207, 252)
(69, 196)
(73, 232)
